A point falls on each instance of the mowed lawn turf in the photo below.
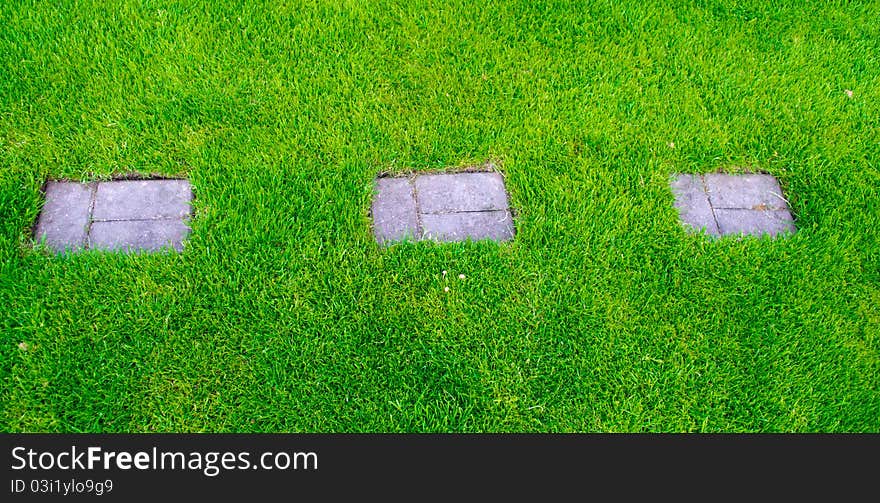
(603, 314)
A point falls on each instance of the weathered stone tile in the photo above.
(64, 219)
(138, 235)
(142, 200)
(495, 225)
(455, 192)
(692, 203)
(754, 222)
(754, 191)
(394, 211)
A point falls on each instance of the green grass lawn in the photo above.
(602, 315)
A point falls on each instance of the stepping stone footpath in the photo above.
(445, 207)
(723, 204)
(131, 215)
(152, 215)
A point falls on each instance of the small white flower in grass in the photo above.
(848, 93)
(23, 346)
(445, 288)
(461, 276)
(444, 272)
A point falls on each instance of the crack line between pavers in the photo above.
(157, 219)
(92, 198)
(462, 211)
(711, 206)
(752, 208)
(420, 229)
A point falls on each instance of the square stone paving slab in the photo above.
(693, 205)
(130, 215)
(474, 225)
(142, 200)
(754, 191)
(756, 223)
(455, 192)
(442, 207)
(723, 204)
(64, 219)
(138, 235)
(395, 217)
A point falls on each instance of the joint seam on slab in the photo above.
(711, 206)
(753, 208)
(420, 230)
(463, 211)
(92, 198)
(157, 219)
